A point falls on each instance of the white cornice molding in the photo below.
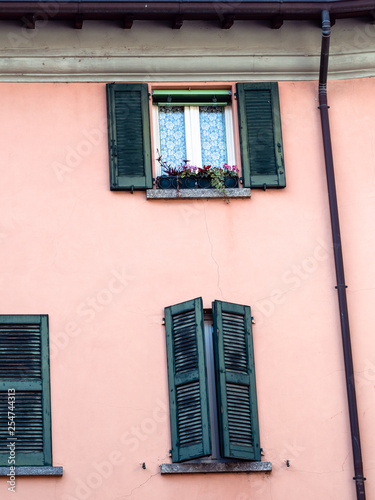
(199, 51)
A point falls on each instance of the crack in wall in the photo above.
(137, 487)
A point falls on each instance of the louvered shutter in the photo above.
(24, 366)
(188, 397)
(260, 135)
(129, 136)
(235, 374)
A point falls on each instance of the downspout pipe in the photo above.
(337, 248)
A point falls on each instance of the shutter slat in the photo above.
(235, 374)
(20, 351)
(187, 380)
(28, 411)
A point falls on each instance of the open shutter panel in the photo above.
(129, 136)
(24, 367)
(260, 135)
(188, 397)
(234, 359)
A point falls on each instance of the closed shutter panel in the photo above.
(188, 397)
(260, 135)
(24, 367)
(129, 136)
(235, 373)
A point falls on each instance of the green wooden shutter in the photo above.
(260, 135)
(24, 367)
(129, 136)
(235, 374)
(188, 397)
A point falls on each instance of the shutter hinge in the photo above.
(113, 148)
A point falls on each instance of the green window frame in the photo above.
(25, 390)
(236, 407)
(129, 135)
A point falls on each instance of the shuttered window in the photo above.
(235, 376)
(25, 414)
(129, 136)
(190, 426)
(260, 135)
(129, 133)
(236, 406)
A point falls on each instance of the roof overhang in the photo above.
(227, 11)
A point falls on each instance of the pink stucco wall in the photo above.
(104, 264)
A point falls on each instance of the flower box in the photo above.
(190, 177)
(178, 182)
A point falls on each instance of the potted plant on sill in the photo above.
(218, 177)
(190, 177)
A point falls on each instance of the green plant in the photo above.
(215, 174)
(218, 174)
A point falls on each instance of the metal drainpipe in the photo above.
(337, 248)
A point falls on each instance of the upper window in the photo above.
(25, 409)
(212, 390)
(183, 129)
(193, 126)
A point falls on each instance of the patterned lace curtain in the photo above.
(172, 135)
(213, 138)
(212, 135)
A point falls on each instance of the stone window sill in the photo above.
(204, 468)
(33, 471)
(196, 194)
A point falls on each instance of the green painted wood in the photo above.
(260, 135)
(214, 97)
(187, 379)
(47, 435)
(24, 369)
(235, 378)
(129, 136)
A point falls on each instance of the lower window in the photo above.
(213, 406)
